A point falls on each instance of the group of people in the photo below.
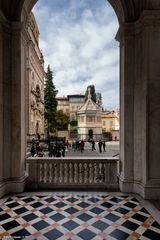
(101, 144)
(36, 149)
(78, 145)
(57, 150)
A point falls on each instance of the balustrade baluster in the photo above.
(107, 172)
(65, 173)
(45, 172)
(50, 172)
(86, 180)
(80, 173)
(91, 173)
(75, 173)
(41, 172)
(113, 174)
(56, 172)
(61, 173)
(71, 173)
(95, 172)
(101, 172)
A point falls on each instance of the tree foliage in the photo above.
(74, 122)
(62, 120)
(92, 91)
(50, 101)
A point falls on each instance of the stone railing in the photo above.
(69, 173)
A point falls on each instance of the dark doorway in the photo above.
(90, 134)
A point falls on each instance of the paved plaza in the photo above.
(112, 150)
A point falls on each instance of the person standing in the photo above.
(63, 150)
(33, 141)
(50, 150)
(67, 144)
(82, 146)
(38, 137)
(104, 146)
(100, 145)
(33, 150)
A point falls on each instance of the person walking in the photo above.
(104, 146)
(100, 145)
(50, 150)
(63, 150)
(93, 145)
(67, 144)
(33, 150)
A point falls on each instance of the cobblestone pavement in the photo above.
(112, 149)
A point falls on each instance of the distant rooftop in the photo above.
(70, 96)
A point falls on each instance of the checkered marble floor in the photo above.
(76, 216)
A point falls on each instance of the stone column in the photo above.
(14, 109)
(1, 97)
(127, 62)
(18, 100)
(140, 105)
(151, 74)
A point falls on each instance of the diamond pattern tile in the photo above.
(76, 217)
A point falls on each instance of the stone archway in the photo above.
(139, 37)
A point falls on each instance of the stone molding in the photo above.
(117, 6)
(2, 17)
(130, 29)
(12, 185)
(147, 191)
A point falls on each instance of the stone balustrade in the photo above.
(72, 173)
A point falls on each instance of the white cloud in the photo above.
(78, 43)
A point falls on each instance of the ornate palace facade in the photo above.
(35, 78)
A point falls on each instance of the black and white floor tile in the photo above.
(76, 216)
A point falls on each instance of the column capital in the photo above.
(148, 18)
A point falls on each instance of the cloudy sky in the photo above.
(77, 40)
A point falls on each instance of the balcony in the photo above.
(73, 173)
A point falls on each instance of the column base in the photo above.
(146, 191)
(13, 185)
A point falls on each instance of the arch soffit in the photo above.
(124, 9)
(127, 10)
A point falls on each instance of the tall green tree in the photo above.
(50, 101)
(92, 91)
(62, 120)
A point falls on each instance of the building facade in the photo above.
(89, 120)
(70, 104)
(35, 81)
(110, 121)
(75, 108)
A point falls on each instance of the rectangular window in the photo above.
(98, 119)
(111, 123)
(90, 119)
(82, 119)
